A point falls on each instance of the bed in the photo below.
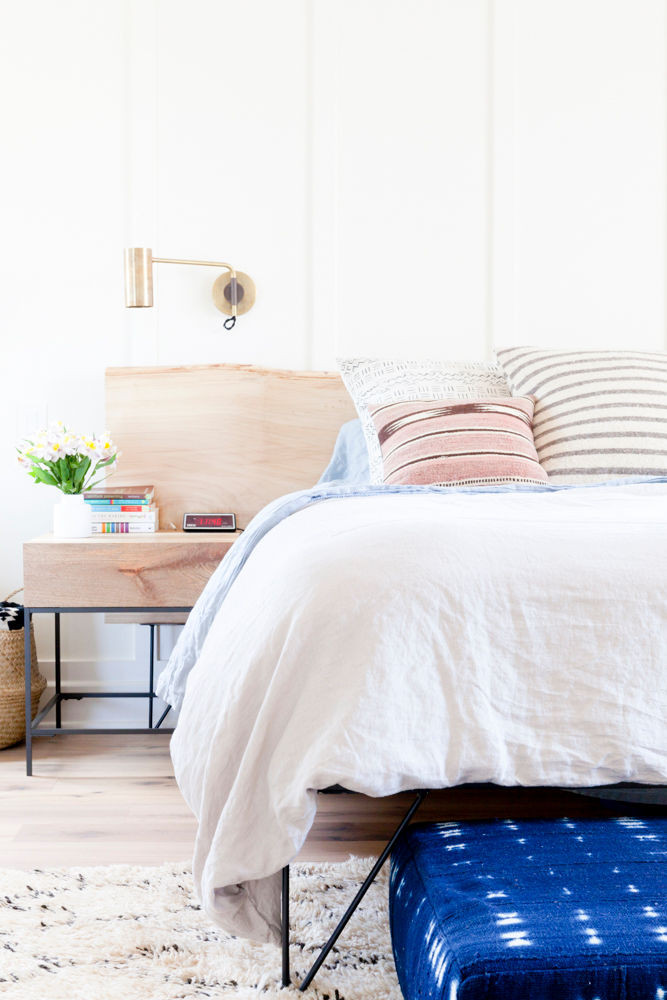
(310, 662)
(394, 637)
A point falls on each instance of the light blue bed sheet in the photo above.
(349, 462)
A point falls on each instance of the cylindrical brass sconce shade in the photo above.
(138, 276)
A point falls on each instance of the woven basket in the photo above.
(12, 684)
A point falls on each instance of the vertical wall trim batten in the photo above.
(155, 35)
(309, 240)
(664, 214)
(490, 145)
(141, 165)
(324, 172)
(126, 14)
(503, 202)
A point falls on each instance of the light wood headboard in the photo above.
(222, 437)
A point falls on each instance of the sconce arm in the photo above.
(229, 323)
(199, 263)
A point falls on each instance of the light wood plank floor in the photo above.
(98, 800)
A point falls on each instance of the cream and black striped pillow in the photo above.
(599, 414)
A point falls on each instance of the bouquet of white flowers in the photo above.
(68, 461)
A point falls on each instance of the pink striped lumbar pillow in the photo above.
(466, 443)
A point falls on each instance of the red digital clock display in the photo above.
(209, 522)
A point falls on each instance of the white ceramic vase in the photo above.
(72, 517)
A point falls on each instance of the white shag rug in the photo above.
(137, 933)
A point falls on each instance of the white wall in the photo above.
(424, 178)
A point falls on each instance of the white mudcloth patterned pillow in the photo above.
(380, 380)
(599, 414)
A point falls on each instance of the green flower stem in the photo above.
(71, 474)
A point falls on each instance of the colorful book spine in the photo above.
(132, 516)
(118, 522)
(121, 494)
(111, 504)
(122, 528)
(125, 508)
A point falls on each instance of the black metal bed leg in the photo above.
(151, 671)
(56, 633)
(163, 717)
(27, 653)
(285, 926)
(365, 886)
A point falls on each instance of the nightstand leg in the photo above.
(28, 691)
(150, 676)
(56, 626)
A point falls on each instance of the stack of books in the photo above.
(123, 509)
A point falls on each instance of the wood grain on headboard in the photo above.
(222, 437)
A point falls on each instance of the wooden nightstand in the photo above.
(164, 572)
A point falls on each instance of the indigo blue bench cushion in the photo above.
(531, 910)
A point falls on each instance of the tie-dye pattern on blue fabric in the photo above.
(531, 910)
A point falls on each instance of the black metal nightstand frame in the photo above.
(34, 728)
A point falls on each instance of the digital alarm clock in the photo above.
(209, 522)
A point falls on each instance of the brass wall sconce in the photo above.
(233, 293)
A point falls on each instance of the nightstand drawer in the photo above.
(167, 569)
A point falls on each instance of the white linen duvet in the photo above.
(407, 640)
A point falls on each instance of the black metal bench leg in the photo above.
(285, 926)
(27, 652)
(365, 886)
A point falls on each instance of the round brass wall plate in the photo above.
(222, 293)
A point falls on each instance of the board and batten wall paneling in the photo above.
(399, 165)
(579, 171)
(425, 178)
(232, 176)
(63, 181)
